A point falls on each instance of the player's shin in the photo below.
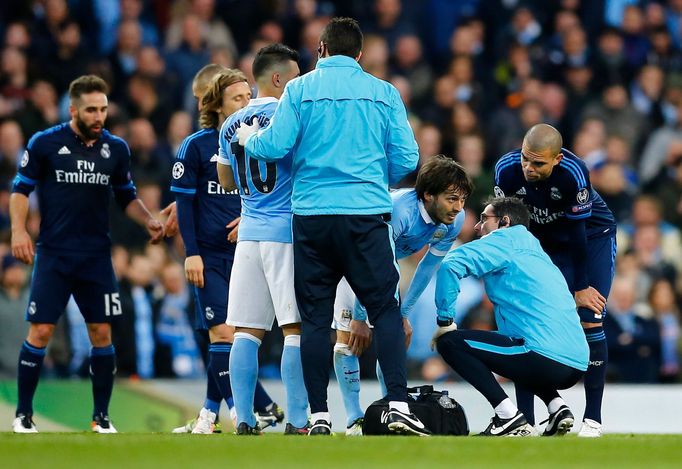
(347, 368)
(244, 374)
(595, 375)
(30, 363)
(102, 371)
(292, 376)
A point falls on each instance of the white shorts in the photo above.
(343, 307)
(262, 286)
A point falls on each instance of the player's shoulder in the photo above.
(115, 142)
(195, 140)
(403, 199)
(508, 169)
(573, 171)
(56, 132)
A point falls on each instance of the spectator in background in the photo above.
(134, 10)
(14, 79)
(470, 153)
(139, 355)
(41, 111)
(663, 145)
(618, 115)
(661, 52)
(123, 59)
(212, 31)
(632, 335)
(667, 312)
(647, 211)
(191, 53)
(408, 61)
(11, 150)
(146, 101)
(389, 21)
(13, 300)
(669, 192)
(69, 58)
(375, 55)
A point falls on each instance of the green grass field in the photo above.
(276, 451)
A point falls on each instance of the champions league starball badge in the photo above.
(178, 170)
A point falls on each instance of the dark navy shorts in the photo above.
(601, 265)
(211, 301)
(88, 277)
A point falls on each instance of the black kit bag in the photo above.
(439, 413)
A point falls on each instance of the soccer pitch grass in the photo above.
(133, 450)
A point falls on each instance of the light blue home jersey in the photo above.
(265, 187)
(413, 228)
(528, 291)
(350, 139)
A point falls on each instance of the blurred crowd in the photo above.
(474, 76)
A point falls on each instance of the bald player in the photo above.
(578, 232)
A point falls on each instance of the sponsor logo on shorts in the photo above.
(29, 364)
(32, 308)
(209, 313)
(597, 363)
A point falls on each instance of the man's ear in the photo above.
(428, 197)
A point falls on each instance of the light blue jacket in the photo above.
(528, 291)
(349, 135)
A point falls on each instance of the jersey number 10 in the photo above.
(263, 186)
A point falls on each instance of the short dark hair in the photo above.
(511, 207)
(270, 56)
(438, 173)
(342, 36)
(87, 84)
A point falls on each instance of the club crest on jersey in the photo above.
(498, 192)
(582, 196)
(105, 152)
(555, 194)
(24, 159)
(438, 234)
(209, 313)
(32, 308)
(178, 170)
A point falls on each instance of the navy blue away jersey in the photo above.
(195, 174)
(566, 195)
(75, 183)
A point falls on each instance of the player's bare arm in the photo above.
(170, 228)
(590, 298)
(226, 177)
(22, 244)
(194, 270)
(137, 212)
(233, 230)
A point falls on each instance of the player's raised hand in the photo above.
(245, 131)
(360, 337)
(155, 230)
(194, 270)
(170, 228)
(590, 298)
(22, 246)
(233, 228)
(407, 327)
